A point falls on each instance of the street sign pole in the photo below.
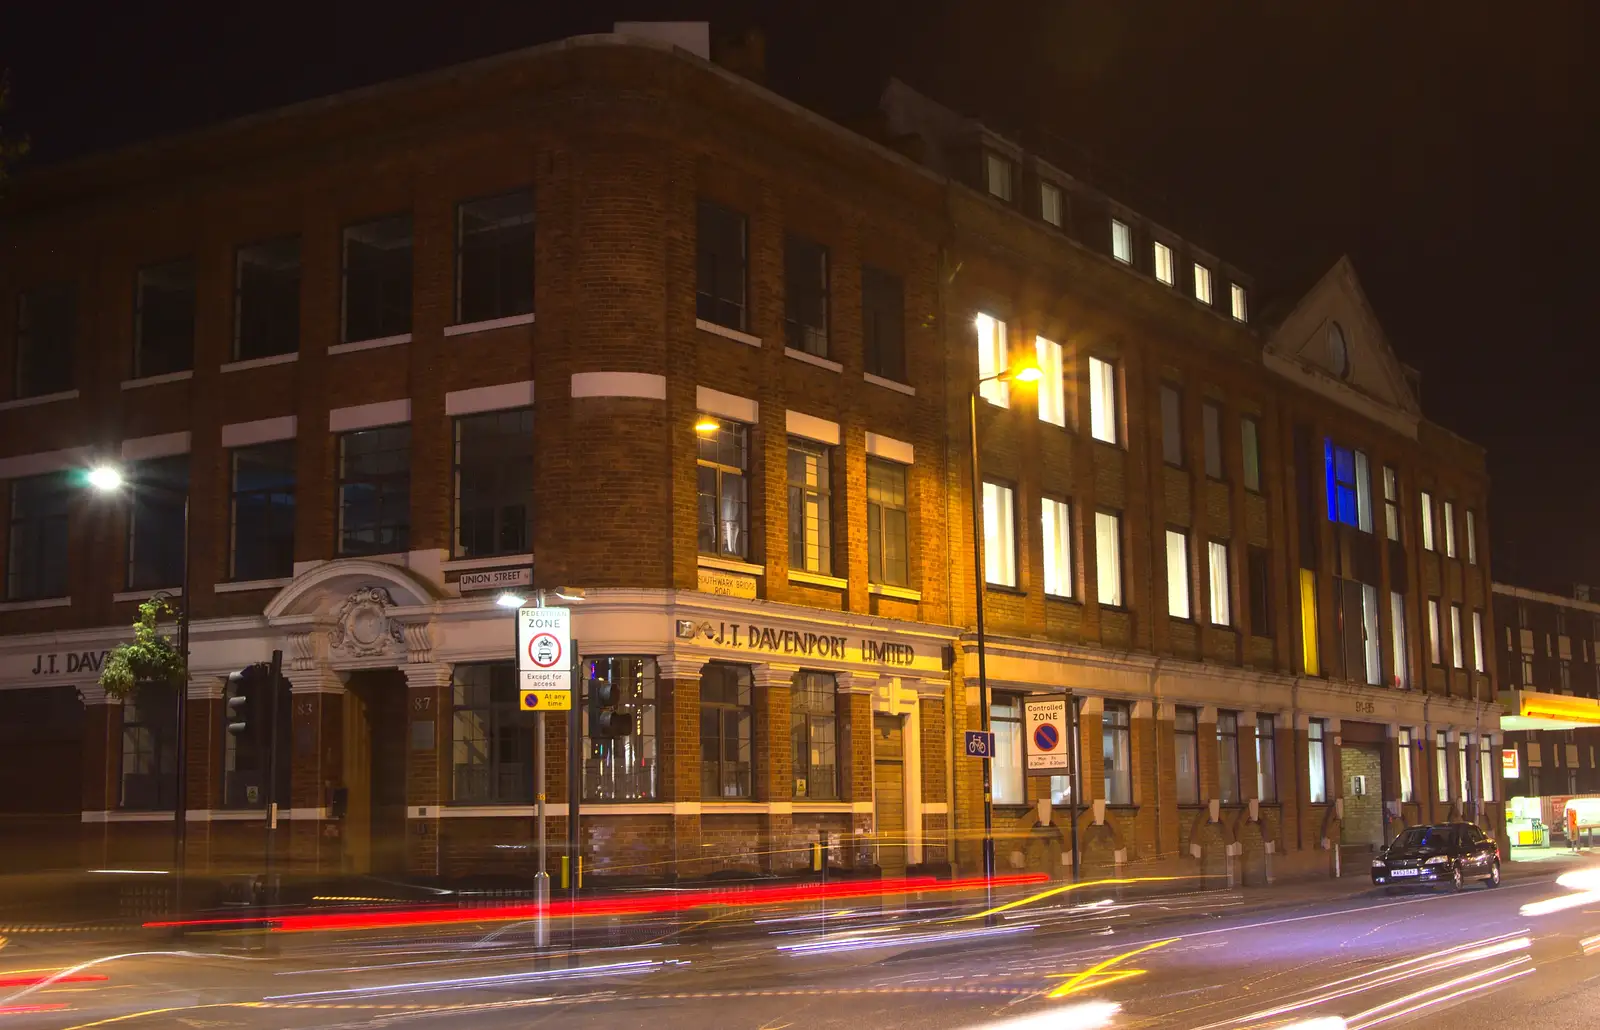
(271, 889)
(545, 658)
(541, 879)
(1072, 757)
(574, 788)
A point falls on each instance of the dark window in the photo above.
(263, 511)
(883, 313)
(724, 490)
(1250, 449)
(814, 731)
(810, 503)
(721, 267)
(1117, 753)
(1211, 425)
(805, 295)
(163, 336)
(1228, 757)
(266, 299)
(1391, 503)
(725, 723)
(491, 739)
(494, 257)
(1266, 757)
(155, 523)
(36, 560)
(888, 532)
(46, 339)
(149, 772)
(622, 768)
(494, 483)
(375, 490)
(246, 758)
(1260, 573)
(1171, 425)
(377, 279)
(1186, 732)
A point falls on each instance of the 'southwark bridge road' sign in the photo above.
(544, 658)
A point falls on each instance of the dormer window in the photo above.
(1163, 255)
(1236, 295)
(997, 176)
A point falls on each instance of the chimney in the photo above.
(1580, 591)
(744, 54)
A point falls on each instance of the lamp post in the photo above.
(513, 600)
(1025, 373)
(108, 479)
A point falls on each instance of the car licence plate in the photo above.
(1402, 872)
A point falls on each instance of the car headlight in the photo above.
(1378, 863)
(1438, 860)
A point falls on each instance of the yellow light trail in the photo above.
(1096, 975)
(1053, 891)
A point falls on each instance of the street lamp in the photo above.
(1026, 372)
(108, 479)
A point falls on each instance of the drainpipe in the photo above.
(1155, 732)
(1299, 767)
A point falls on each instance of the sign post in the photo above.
(1049, 747)
(544, 644)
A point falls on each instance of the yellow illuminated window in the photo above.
(1308, 622)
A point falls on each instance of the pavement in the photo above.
(1040, 955)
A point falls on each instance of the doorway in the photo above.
(889, 792)
(1362, 765)
(375, 772)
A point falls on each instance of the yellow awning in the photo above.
(1532, 710)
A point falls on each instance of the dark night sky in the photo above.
(1448, 147)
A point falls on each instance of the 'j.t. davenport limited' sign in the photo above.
(751, 637)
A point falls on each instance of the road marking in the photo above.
(1096, 975)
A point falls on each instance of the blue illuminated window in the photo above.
(1349, 486)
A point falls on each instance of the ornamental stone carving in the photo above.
(362, 627)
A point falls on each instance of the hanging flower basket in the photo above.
(148, 658)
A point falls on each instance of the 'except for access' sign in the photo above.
(547, 700)
(1045, 724)
(980, 744)
(544, 652)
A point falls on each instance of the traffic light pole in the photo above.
(270, 887)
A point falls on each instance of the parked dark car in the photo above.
(1446, 853)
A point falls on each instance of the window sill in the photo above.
(240, 586)
(898, 593)
(889, 384)
(487, 324)
(491, 562)
(1114, 445)
(169, 377)
(812, 359)
(43, 398)
(43, 602)
(145, 595)
(1117, 608)
(817, 579)
(374, 344)
(728, 334)
(243, 364)
(1001, 588)
(1063, 599)
(732, 565)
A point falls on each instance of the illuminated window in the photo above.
(1202, 283)
(1007, 779)
(992, 361)
(1427, 521)
(1103, 400)
(1121, 242)
(1372, 643)
(1177, 574)
(723, 488)
(1391, 503)
(1217, 583)
(1477, 642)
(1228, 757)
(1456, 658)
(1488, 767)
(491, 740)
(1441, 767)
(1310, 649)
(1108, 557)
(810, 507)
(623, 768)
(999, 535)
(1163, 263)
(1266, 758)
(1050, 203)
(1400, 676)
(1349, 483)
(1408, 790)
(1056, 523)
(1116, 753)
(1237, 303)
(1472, 539)
(814, 734)
(1052, 382)
(1317, 761)
(888, 533)
(1448, 516)
(1434, 651)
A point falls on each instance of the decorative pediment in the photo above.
(331, 587)
(1332, 343)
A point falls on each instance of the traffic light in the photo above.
(606, 719)
(247, 696)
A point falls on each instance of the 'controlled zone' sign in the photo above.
(1045, 725)
(544, 658)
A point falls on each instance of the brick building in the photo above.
(1549, 670)
(507, 316)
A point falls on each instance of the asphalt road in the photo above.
(1189, 961)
